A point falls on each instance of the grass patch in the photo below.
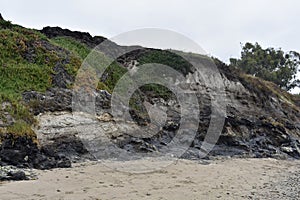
(21, 128)
(79, 49)
(111, 76)
(156, 90)
(166, 58)
(19, 78)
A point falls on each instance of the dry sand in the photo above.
(221, 179)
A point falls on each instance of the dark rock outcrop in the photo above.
(85, 38)
(61, 78)
(53, 100)
(70, 148)
(24, 152)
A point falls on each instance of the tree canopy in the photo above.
(270, 64)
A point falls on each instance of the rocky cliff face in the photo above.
(261, 120)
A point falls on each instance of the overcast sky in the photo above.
(218, 26)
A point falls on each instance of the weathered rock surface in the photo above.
(60, 99)
(97, 137)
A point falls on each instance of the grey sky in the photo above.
(218, 26)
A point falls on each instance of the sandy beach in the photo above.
(219, 179)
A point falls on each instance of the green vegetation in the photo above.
(27, 59)
(111, 76)
(20, 128)
(5, 24)
(79, 49)
(269, 64)
(17, 79)
(155, 90)
(18, 73)
(166, 58)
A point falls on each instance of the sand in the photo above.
(220, 179)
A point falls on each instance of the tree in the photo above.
(269, 64)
